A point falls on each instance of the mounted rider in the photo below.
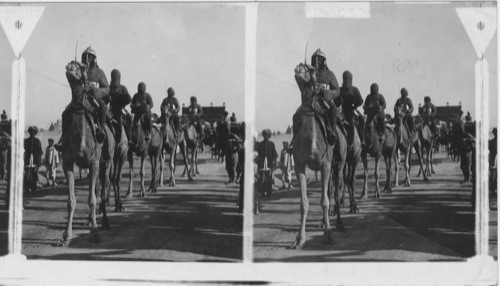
(142, 103)
(324, 80)
(374, 109)
(350, 99)
(405, 103)
(119, 98)
(429, 113)
(171, 105)
(194, 113)
(97, 87)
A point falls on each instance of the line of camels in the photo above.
(81, 148)
(337, 163)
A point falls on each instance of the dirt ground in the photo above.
(194, 221)
(430, 221)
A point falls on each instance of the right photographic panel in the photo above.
(369, 117)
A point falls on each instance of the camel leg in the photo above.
(105, 194)
(342, 200)
(352, 182)
(171, 164)
(141, 174)
(196, 162)
(154, 163)
(377, 189)
(420, 155)
(397, 162)
(432, 161)
(191, 167)
(184, 152)
(325, 202)
(364, 158)
(388, 166)
(92, 201)
(304, 207)
(162, 166)
(118, 179)
(70, 178)
(339, 184)
(407, 167)
(130, 158)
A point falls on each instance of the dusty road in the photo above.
(431, 221)
(195, 221)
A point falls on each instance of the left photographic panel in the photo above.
(129, 111)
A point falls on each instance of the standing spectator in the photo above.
(266, 162)
(51, 163)
(286, 165)
(32, 158)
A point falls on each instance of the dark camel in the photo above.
(311, 149)
(79, 146)
(170, 144)
(143, 148)
(406, 140)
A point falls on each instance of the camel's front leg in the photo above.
(196, 162)
(364, 158)
(105, 194)
(377, 179)
(154, 161)
(397, 161)
(70, 178)
(130, 157)
(432, 162)
(185, 155)
(141, 174)
(92, 200)
(407, 167)
(388, 167)
(420, 155)
(117, 181)
(162, 166)
(325, 203)
(304, 207)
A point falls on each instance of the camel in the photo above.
(427, 139)
(79, 146)
(311, 149)
(353, 157)
(378, 147)
(406, 140)
(119, 159)
(143, 148)
(170, 144)
(192, 138)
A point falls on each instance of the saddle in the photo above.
(88, 109)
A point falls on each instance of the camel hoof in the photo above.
(298, 243)
(128, 196)
(426, 179)
(363, 195)
(190, 179)
(95, 237)
(64, 241)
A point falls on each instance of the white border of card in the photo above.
(479, 270)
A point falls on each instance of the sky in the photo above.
(197, 48)
(423, 47)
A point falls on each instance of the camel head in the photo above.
(400, 112)
(76, 73)
(305, 76)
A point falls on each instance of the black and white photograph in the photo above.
(249, 142)
(371, 155)
(133, 124)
